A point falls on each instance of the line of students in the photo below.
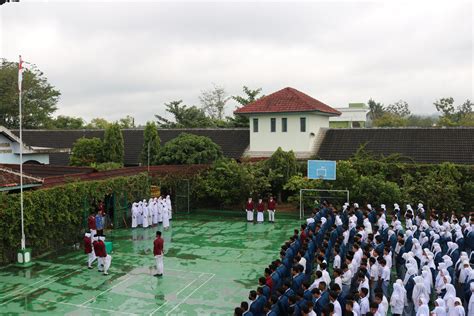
(250, 209)
(376, 267)
(156, 211)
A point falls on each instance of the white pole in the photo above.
(300, 202)
(23, 241)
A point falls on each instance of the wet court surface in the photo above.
(211, 262)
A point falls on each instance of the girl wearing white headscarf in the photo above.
(449, 298)
(440, 308)
(140, 213)
(134, 215)
(154, 212)
(160, 209)
(398, 299)
(458, 308)
(145, 215)
(427, 279)
(420, 292)
(168, 205)
(150, 213)
(166, 214)
(423, 309)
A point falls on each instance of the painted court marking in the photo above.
(34, 289)
(87, 307)
(184, 300)
(105, 291)
(25, 287)
(184, 288)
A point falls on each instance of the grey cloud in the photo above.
(114, 59)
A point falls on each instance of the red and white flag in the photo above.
(20, 73)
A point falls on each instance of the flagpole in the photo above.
(23, 241)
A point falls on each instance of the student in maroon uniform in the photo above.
(260, 210)
(91, 224)
(249, 209)
(89, 250)
(158, 247)
(103, 258)
(271, 210)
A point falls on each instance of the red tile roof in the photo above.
(11, 179)
(287, 100)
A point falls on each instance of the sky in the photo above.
(112, 59)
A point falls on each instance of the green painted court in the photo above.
(211, 262)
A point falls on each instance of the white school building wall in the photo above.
(264, 142)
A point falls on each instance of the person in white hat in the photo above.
(89, 250)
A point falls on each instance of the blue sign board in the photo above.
(322, 169)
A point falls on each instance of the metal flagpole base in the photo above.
(24, 258)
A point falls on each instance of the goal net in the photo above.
(182, 196)
(312, 198)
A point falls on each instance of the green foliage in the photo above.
(86, 151)
(228, 183)
(399, 108)
(127, 122)
(280, 168)
(376, 190)
(189, 149)
(376, 109)
(113, 148)
(151, 144)
(461, 115)
(250, 96)
(184, 116)
(39, 97)
(66, 122)
(55, 217)
(390, 120)
(98, 123)
(106, 166)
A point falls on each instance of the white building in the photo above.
(10, 150)
(288, 119)
(356, 115)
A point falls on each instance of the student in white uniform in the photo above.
(150, 212)
(140, 214)
(166, 219)
(170, 207)
(160, 209)
(134, 215)
(145, 215)
(155, 212)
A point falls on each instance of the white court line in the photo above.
(87, 307)
(32, 290)
(25, 287)
(159, 307)
(213, 275)
(184, 288)
(103, 292)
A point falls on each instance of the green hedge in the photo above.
(55, 217)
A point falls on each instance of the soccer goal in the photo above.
(182, 196)
(311, 198)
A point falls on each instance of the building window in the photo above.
(284, 124)
(255, 125)
(303, 124)
(273, 125)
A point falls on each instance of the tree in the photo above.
(213, 102)
(189, 149)
(389, 119)
(113, 148)
(86, 151)
(127, 122)
(280, 167)
(399, 108)
(461, 115)
(39, 97)
(98, 123)
(376, 109)
(184, 116)
(249, 97)
(151, 144)
(66, 122)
